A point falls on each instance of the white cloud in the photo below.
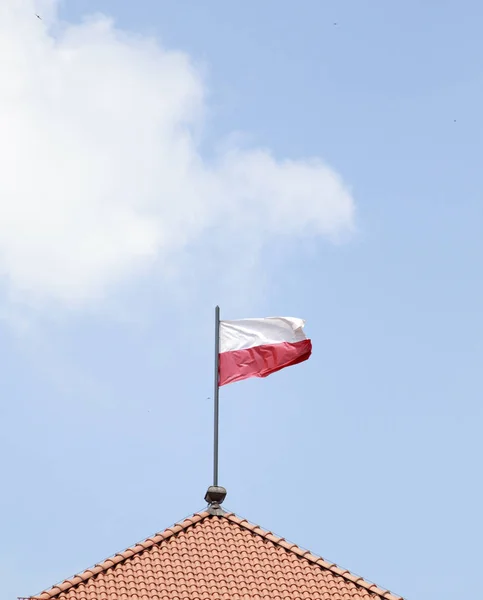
(100, 168)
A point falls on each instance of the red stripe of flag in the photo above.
(261, 361)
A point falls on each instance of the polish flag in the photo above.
(259, 347)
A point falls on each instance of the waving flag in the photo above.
(259, 347)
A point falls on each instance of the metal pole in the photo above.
(216, 396)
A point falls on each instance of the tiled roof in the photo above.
(215, 557)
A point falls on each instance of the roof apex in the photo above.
(175, 529)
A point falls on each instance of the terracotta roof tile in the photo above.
(221, 557)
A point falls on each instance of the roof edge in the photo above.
(313, 558)
(120, 557)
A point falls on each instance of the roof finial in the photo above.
(214, 497)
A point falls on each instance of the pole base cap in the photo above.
(215, 495)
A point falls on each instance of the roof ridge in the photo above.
(139, 547)
(313, 558)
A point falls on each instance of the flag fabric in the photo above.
(259, 347)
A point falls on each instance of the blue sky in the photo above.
(369, 453)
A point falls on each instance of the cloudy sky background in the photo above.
(320, 161)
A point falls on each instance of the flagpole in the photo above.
(216, 396)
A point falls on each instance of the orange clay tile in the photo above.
(215, 557)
